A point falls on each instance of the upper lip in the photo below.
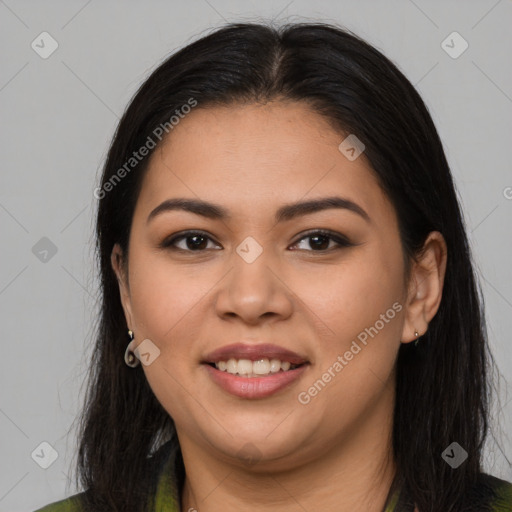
(253, 352)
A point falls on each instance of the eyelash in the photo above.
(342, 241)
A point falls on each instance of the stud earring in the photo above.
(416, 334)
(129, 356)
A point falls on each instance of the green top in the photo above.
(167, 496)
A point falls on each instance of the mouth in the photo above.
(250, 369)
(254, 371)
(254, 360)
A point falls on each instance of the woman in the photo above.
(279, 235)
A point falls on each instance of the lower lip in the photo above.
(254, 387)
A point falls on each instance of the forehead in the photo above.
(249, 156)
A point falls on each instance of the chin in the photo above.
(264, 446)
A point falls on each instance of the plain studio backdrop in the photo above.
(68, 70)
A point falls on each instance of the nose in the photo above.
(254, 291)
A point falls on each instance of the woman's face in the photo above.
(251, 279)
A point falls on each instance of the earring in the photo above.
(416, 334)
(129, 356)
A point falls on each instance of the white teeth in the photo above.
(248, 368)
(261, 367)
(244, 367)
(231, 366)
(275, 365)
(285, 366)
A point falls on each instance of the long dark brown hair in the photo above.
(442, 388)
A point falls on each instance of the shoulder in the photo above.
(162, 468)
(500, 490)
(71, 504)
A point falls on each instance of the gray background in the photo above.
(58, 116)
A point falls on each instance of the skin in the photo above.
(333, 453)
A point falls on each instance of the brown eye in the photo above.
(194, 241)
(319, 240)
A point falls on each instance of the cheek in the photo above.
(162, 296)
(363, 309)
(165, 303)
(346, 298)
(363, 315)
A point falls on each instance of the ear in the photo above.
(119, 265)
(425, 286)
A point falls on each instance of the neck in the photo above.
(354, 474)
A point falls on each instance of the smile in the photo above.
(251, 369)
(252, 385)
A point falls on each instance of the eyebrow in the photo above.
(284, 213)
